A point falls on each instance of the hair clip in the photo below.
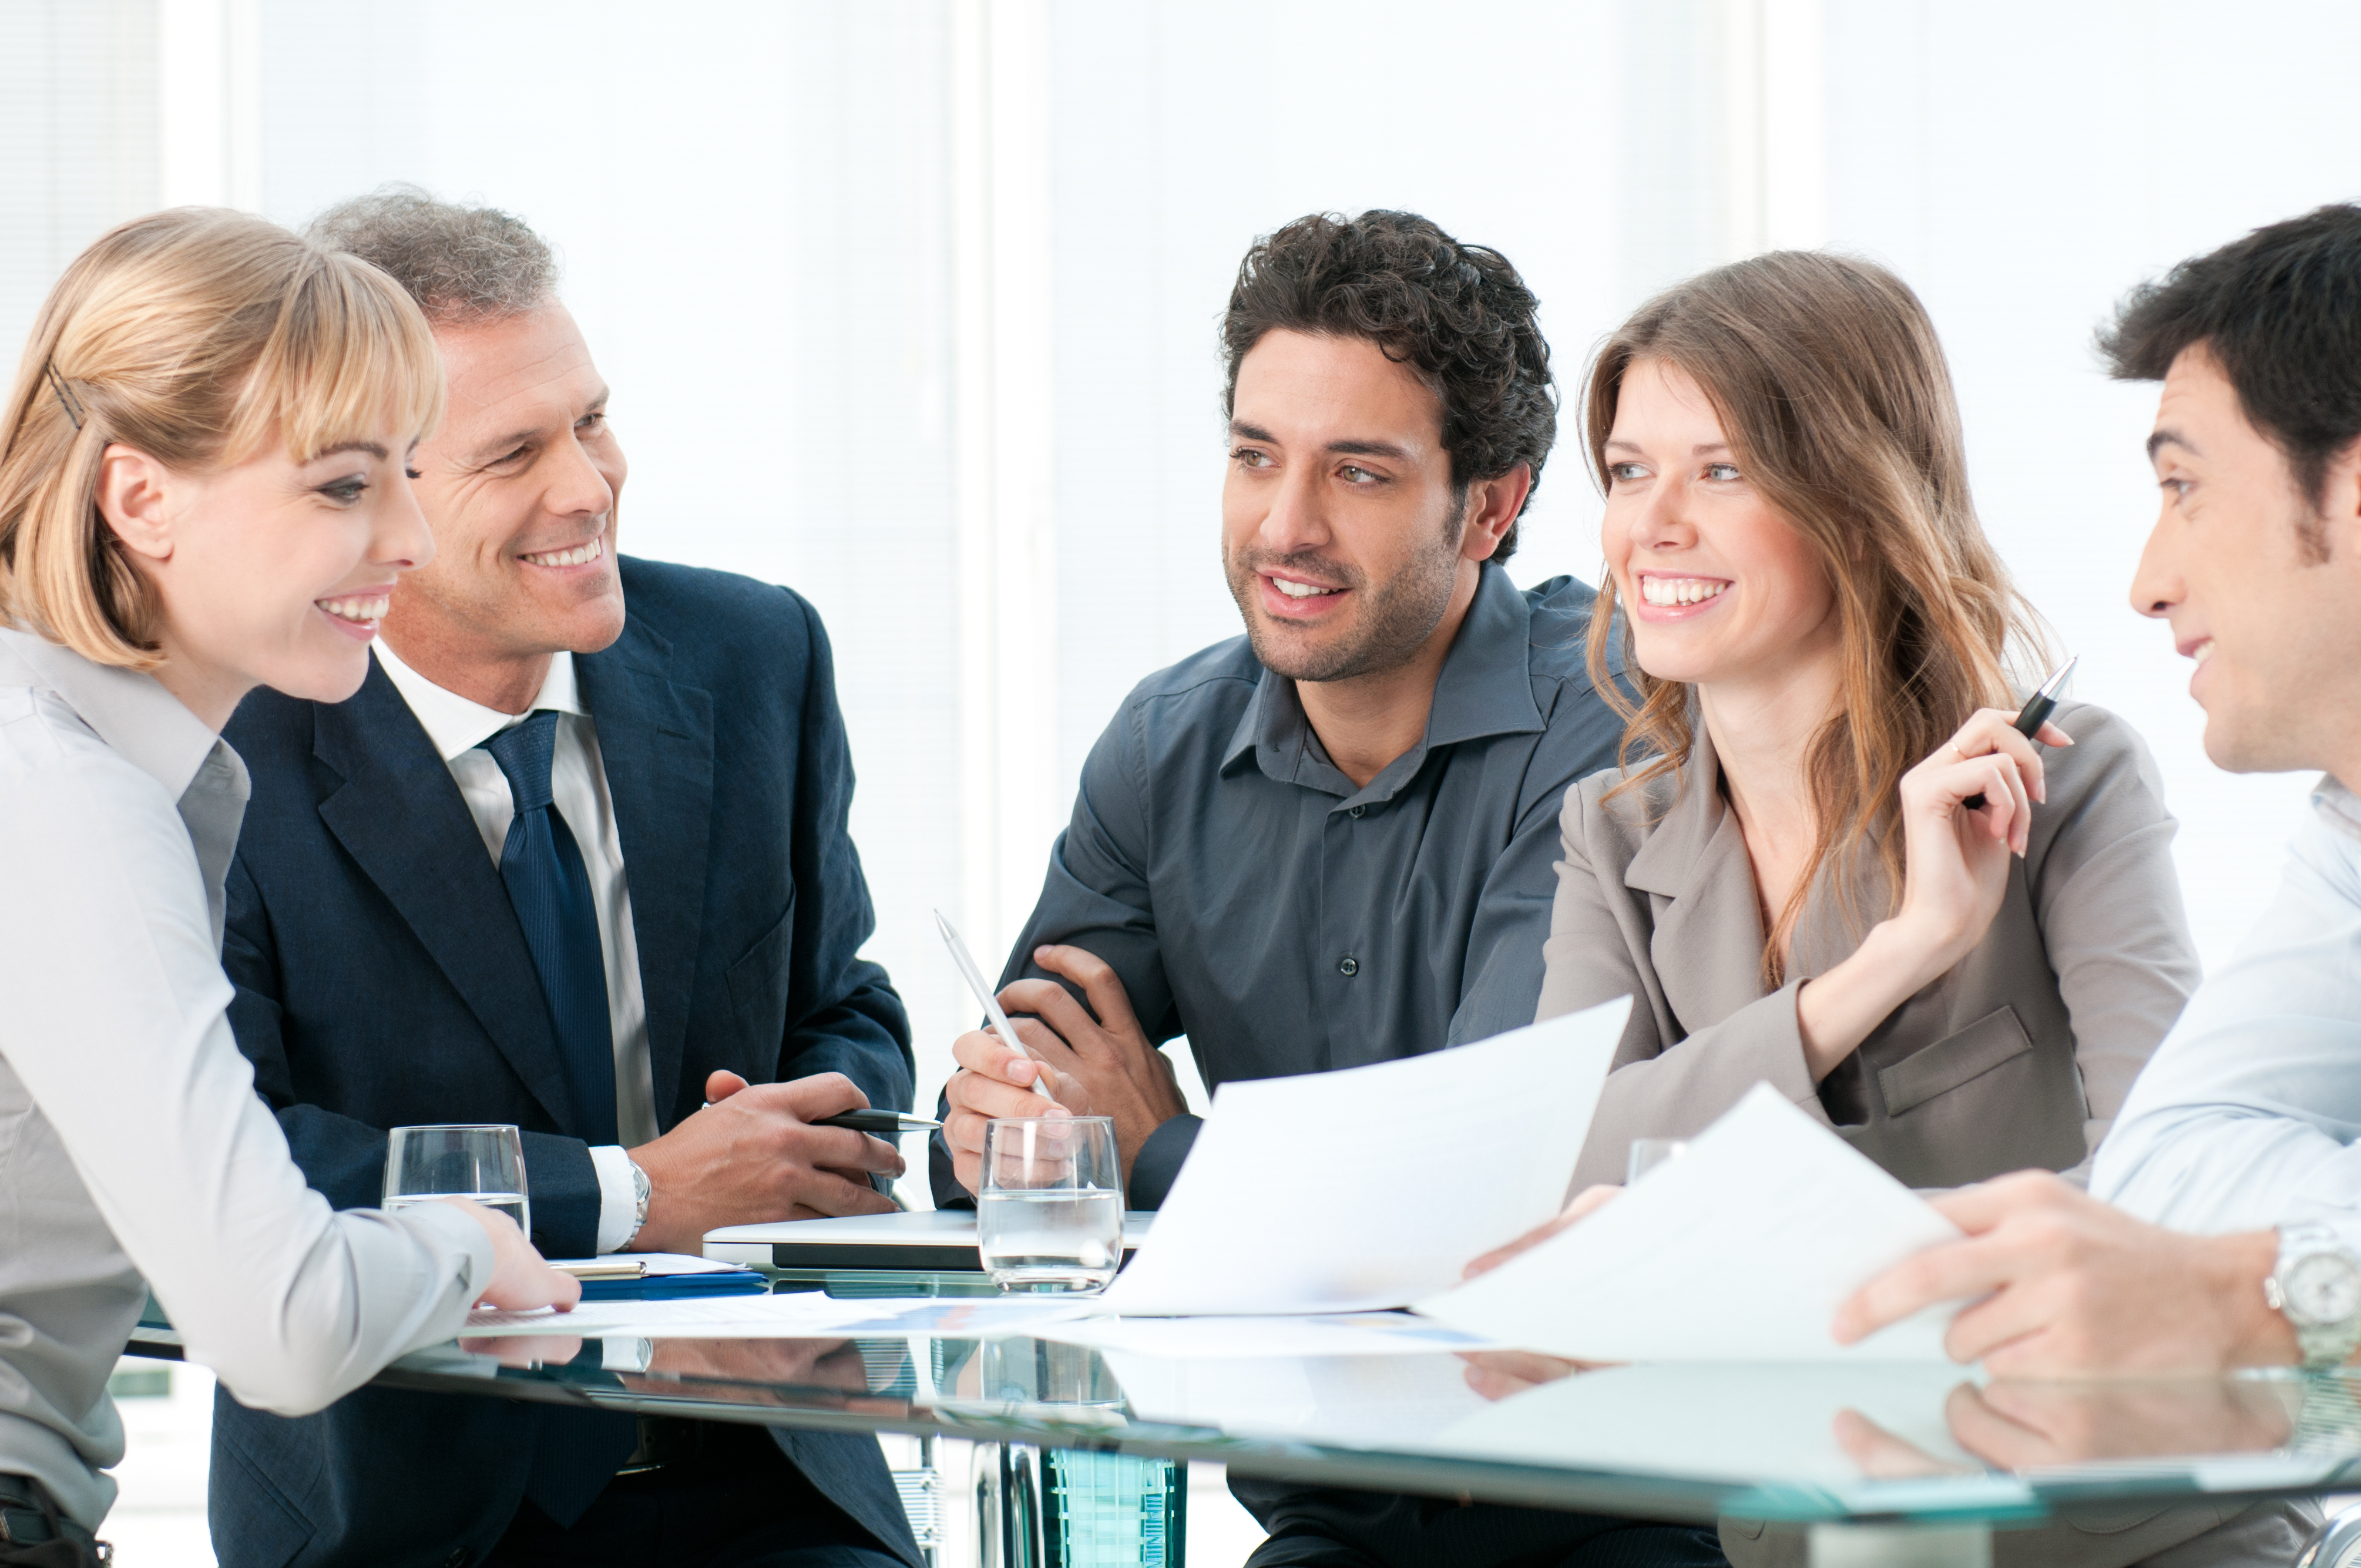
(66, 400)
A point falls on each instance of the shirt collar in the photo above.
(2339, 807)
(137, 718)
(457, 726)
(1484, 689)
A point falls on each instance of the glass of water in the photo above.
(1647, 1153)
(1049, 1215)
(485, 1163)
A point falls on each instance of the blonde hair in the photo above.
(1832, 390)
(195, 337)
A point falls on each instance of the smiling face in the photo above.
(1342, 538)
(1719, 587)
(271, 572)
(520, 485)
(2273, 628)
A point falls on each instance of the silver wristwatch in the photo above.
(642, 1190)
(2316, 1286)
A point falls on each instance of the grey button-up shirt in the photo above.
(1252, 899)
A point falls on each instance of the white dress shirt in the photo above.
(131, 1139)
(2249, 1114)
(578, 786)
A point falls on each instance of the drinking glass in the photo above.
(484, 1162)
(1049, 1215)
(1647, 1153)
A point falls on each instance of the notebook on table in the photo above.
(940, 1241)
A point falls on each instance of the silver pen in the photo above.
(1000, 1024)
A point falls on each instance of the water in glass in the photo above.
(1049, 1216)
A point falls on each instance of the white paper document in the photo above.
(1370, 1187)
(801, 1314)
(1742, 1250)
(1203, 1339)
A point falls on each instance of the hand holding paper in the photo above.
(1741, 1251)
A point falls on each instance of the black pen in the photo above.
(2031, 718)
(883, 1124)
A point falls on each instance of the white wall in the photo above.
(890, 287)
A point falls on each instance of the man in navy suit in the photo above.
(576, 859)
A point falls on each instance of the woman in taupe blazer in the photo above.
(1794, 887)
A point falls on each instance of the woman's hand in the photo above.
(521, 1280)
(1590, 1200)
(1956, 860)
(1955, 868)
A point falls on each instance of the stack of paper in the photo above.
(1742, 1250)
(1373, 1186)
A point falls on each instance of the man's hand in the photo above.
(994, 1083)
(1120, 1073)
(2072, 1287)
(752, 1156)
(2031, 1425)
(1100, 1067)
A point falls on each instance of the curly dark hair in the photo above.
(1457, 314)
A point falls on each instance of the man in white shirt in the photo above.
(2223, 1224)
(574, 857)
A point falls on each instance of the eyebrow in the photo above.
(1697, 451)
(1399, 453)
(2161, 438)
(371, 448)
(491, 451)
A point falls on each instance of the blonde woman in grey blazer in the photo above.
(1831, 863)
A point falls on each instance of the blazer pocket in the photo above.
(759, 977)
(1954, 1060)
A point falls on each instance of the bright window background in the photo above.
(911, 304)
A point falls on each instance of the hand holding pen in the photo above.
(1965, 816)
(983, 994)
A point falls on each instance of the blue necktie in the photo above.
(577, 1451)
(552, 894)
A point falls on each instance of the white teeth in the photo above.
(580, 556)
(1670, 591)
(2203, 650)
(371, 608)
(1299, 590)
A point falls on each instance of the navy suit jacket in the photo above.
(383, 979)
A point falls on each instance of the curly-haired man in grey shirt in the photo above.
(1330, 841)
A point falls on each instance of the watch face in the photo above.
(2323, 1288)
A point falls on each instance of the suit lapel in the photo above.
(401, 818)
(1707, 942)
(655, 742)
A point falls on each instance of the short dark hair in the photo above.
(1457, 314)
(2281, 311)
(462, 264)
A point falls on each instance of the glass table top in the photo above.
(1924, 1443)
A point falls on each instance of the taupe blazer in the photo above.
(2019, 1056)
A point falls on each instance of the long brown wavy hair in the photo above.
(1832, 390)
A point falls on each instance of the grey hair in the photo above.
(462, 264)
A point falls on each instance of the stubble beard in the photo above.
(1395, 620)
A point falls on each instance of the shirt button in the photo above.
(1348, 966)
(1354, 810)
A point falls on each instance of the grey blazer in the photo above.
(2019, 1056)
